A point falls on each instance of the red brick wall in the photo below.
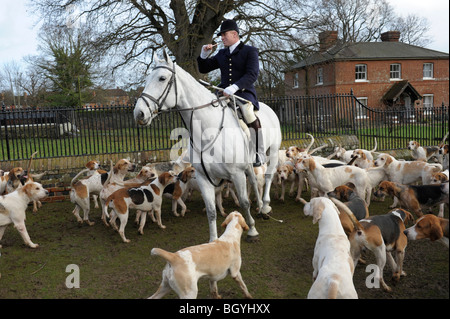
(339, 77)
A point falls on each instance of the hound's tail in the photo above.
(333, 286)
(78, 175)
(109, 175)
(341, 206)
(376, 145)
(168, 256)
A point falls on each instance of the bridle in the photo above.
(160, 101)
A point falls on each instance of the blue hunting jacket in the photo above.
(240, 68)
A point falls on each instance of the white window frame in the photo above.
(295, 79)
(430, 71)
(362, 112)
(428, 103)
(319, 76)
(362, 73)
(399, 71)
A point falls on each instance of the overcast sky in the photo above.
(18, 35)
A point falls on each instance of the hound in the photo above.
(359, 208)
(346, 156)
(260, 173)
(441, 177)
(285, 174)
(327, 179)
(431, 227)
(443, 151)
(13, 177)
(145, 198)
(415, 197)
(213, 260)
(381, 234)
(81, 190)
(406, 172)
(361, 159)
(178, 189)
(333, 265)
(420, 153)
(116, 175)
(13, 206)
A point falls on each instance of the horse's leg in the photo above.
(209, 197)
(271, 167)
(254, 183)
(240, 183)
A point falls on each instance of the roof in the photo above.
(358, 51)
(398, 88)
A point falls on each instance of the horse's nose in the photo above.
(141, 115)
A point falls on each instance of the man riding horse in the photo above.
(239, 67)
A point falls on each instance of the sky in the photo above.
(18, 33)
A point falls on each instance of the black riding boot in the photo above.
(257, 143)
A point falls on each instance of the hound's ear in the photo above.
(317, 211)
(435, 232)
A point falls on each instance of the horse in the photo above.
(219, 148)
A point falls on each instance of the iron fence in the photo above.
(61, 132)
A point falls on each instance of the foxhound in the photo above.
(327, 179)
(421, 153)
(116, 175)
(13, 206)
(359, 208)
(431, 227)
(406, 172)
(381, 234)
(212, 260)
(443, 151)
(332, 262)
(145, 198)
(81, 190)
(178, 189)
(415, 197)
(285, 173)
(346, 156)
(13, 178)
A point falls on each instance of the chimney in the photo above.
(390, 36)
(327, 39)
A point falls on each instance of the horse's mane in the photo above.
(190, 79)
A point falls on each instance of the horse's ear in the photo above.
(167, 57)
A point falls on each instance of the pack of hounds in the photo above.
(341, 185)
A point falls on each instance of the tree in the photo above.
(129, 32)
(68, 67)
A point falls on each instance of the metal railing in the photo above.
(61, 132)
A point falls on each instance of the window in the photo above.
(319, 76)
(361, 111)
(361, 72)
(427, 104)
(396, 71)
(428, 70)
(295, 81)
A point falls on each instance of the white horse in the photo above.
(219, 148)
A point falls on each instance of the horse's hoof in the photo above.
(252, 239)
(266, 209)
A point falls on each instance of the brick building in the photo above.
(381, 74)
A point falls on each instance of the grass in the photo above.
(277, 267)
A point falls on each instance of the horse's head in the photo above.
(160, 92)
